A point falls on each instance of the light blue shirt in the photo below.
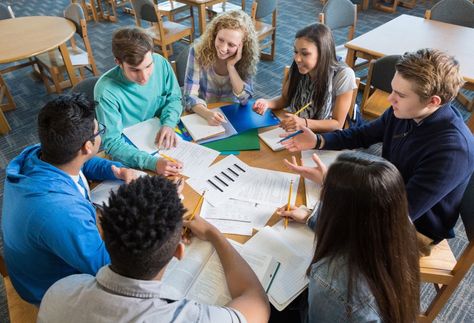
(110, 297)
(327, 295)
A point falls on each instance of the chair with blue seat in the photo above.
(441, 268)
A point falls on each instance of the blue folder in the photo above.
(243, 118)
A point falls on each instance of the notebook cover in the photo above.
(243, 118)
(244, 141)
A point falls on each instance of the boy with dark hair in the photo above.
(48, 221)
(142, 227)
(142, 86)
(422, 135)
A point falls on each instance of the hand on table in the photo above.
(260, 106)
(167, 167)
(166, 138)
(214, 118)
(297, 214)
(125, 174)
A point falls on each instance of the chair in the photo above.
(171, 8)
(53, 63)
(86, 86)
(441, 268)
(89, 6)
(341, 14)
(378, 88)
(5, 13)
(351, 114)
(224, 6)
(456, 12)
(393, 7)
(260, 10)
(179, 65)
(164, 33)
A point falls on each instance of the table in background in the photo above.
(409, 33)
(24, 38)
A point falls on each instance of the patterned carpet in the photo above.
(30, 95)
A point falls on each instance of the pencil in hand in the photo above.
(289, 201)
(199, 203)
(168, 158)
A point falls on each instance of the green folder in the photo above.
(247, 140)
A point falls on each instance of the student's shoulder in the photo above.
(108, 81)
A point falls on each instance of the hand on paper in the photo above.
(260, 106)
(304, 141)
(165, 138)
(316, 174)
(236, 58)
(201, 228)
(168, 168)
(125, 174)
(214, 118)
(297, 214)
(291, 122)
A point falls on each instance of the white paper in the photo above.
(199, 128)
(222, 180)
(293, 248)
(100, 194)
(196, 159)
(269, 187)
(229, 130)
(143, 134)
(272, 138)
(312, 189)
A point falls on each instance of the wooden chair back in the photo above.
(260, 10)
(378, 88)
(441, 268)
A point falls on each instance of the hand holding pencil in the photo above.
(193, 214)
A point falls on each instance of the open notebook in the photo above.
(199, 275)
(272, 138)
(293, 249)
(198, 127)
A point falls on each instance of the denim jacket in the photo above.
(327, 297)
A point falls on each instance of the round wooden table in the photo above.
(25, 37)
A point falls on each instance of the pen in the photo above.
(288, 205)
(291, 136)
(168, 158)
(199, 203)
(303, 108)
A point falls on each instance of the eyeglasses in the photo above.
(99, 132)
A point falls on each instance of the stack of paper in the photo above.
(200, 276)
(293, 249)
(312, 189)
(198, 127)
(195, 158)
(272, 138)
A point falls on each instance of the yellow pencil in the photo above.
(168, 158)
(289, 200)
(303, 108)
(201, 199)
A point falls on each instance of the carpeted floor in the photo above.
(29, 94)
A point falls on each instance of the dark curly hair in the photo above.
(64, 125)
(142, 226)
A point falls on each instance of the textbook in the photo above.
(272, 138)
(293, 248)
(199, 275)
(198, 127)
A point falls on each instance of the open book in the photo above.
(198, 127)
(199, 275)
(293, 249)
(272, 138)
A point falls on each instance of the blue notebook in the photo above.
(243, 118)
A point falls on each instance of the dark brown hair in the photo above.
(364, 219)
(321, 36)
(130, 45)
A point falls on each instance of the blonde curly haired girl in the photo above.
(221, 65)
